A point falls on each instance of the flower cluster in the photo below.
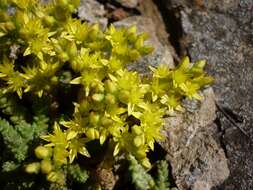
(112, 105)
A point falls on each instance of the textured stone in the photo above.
(196, 159)
(162, 54)
(119, 14)
(220, 31)
(93, 12)
(106, 178)
(149, 9)
(128, 3)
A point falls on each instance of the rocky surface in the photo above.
(197, 161)
(149, 9)
(93, 12)
(106, 178)
(128, 3)
(220, 31)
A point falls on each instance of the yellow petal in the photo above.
(102, 139)
(113, 78)
(137, 114)
(197, 96)
(154, 97)
(40, 93)
(116, 149)
(84, 152)
(151, 145)
(27, 51)
(72, 156)
(40, 55)
(71, 135)
(76, 80)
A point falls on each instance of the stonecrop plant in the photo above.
(74, 75)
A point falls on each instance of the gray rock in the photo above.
(220, 5)
(162, 54)
(15, 49)
(224, 5)
(221, 33)
(128, 3)
(197, 161)
(93, 12)
(148, 8)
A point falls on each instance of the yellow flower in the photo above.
(77, 145)
(57, 138)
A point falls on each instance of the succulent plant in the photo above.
(75, 75)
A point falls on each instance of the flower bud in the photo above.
(100, 88)
(42, 152)
(52, 177)
(134, 55)
(136, 129)
(9, 26)
(93, 118)
(124, 96)
(62, 2)
(141, 153)
(72, 49)
(49, 20)
(63, 56)
(139, 140)
(110, 86)
(110, 99)
(3, 100)
(46, 166)
(98, 97)
(84, 106)
(56, 177)
(54, 80)
(106, 121)
(33, 168)
(92, 133)
(71, 8)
